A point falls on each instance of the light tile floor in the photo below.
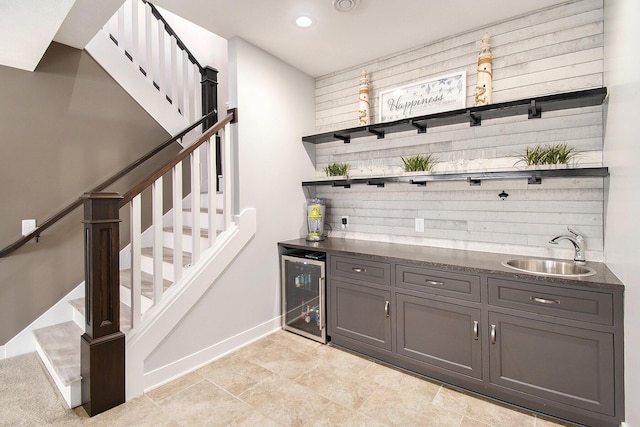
(287, 380)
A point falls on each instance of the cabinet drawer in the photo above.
(576, 304)
(461, 286)
(360, 269)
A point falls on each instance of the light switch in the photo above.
(420, 225)
(28, 225)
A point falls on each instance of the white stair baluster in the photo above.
(158, 256)
(135, 39)
(173, 70)
(195, 204)
(136, 255)
(186, 87)
(211, 189)
(161, 64)
(146, 57)
(227, 177)
(177, 222)
(122, 32)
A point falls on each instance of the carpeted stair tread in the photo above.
(125, 312)
(61, 346)
(167, 255)
(188, 231)
(147, 284)
(203, 209)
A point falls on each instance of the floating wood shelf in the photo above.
(532, 107)
(473, 178)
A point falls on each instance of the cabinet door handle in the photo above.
(434, 283)
(493, 334)
(386, 308)
(544, 300)
(475, 330)
(359, 270)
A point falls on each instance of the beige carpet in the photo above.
(27, 396)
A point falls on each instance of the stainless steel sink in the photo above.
(549, 267)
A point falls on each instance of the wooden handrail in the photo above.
(78, 202)
(170, 31)
(138, 188)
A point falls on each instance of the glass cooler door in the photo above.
(303, 294)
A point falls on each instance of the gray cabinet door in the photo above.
(562, 364)
(439, 334)
(360, 313)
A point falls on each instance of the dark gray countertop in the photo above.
(453, 259)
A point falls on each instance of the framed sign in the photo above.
(442, 93)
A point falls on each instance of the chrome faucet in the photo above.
(577, 241)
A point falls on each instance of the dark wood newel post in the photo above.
(209, 84)
(102, 344)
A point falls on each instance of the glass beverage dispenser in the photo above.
(315, 220)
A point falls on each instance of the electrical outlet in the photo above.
(345, 222)
(420, 225)
(28, 225)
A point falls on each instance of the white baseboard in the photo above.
(179, 368)
(24, 342)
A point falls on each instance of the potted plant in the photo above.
(418, 164)
(337, 170)
(547, 156)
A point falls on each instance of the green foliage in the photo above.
(418, 162)
(548, 154)
(337, 169)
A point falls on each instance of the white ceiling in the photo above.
(340, 40)
(337, 40)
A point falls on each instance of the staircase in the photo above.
(59, 345)
(167, 268)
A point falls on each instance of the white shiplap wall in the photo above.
(554, 50)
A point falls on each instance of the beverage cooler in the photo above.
(303, 295)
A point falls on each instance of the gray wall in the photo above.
(621, 152)
(554, 50)
(65, 128)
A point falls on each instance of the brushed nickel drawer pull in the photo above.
(475, 330)
(386, 308)
(359, 270)
(434, 283)
(544, 300)
(493, 334)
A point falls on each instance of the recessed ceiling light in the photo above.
(304, 21)
(345, 5)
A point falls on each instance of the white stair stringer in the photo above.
(107, 54)
(160, 320)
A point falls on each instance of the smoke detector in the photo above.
(345, 5)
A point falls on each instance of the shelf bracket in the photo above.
(535, 180)
(344, 138)
(421, 128)
(474, 182)
(343, 185)
(474, 120)
(534, 111)
(377, 183)
(378, 133)
(419, 183)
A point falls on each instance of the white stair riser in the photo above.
(71, 393)
(204, 200)
(187, 220)
(187, 241)
(146, 265)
